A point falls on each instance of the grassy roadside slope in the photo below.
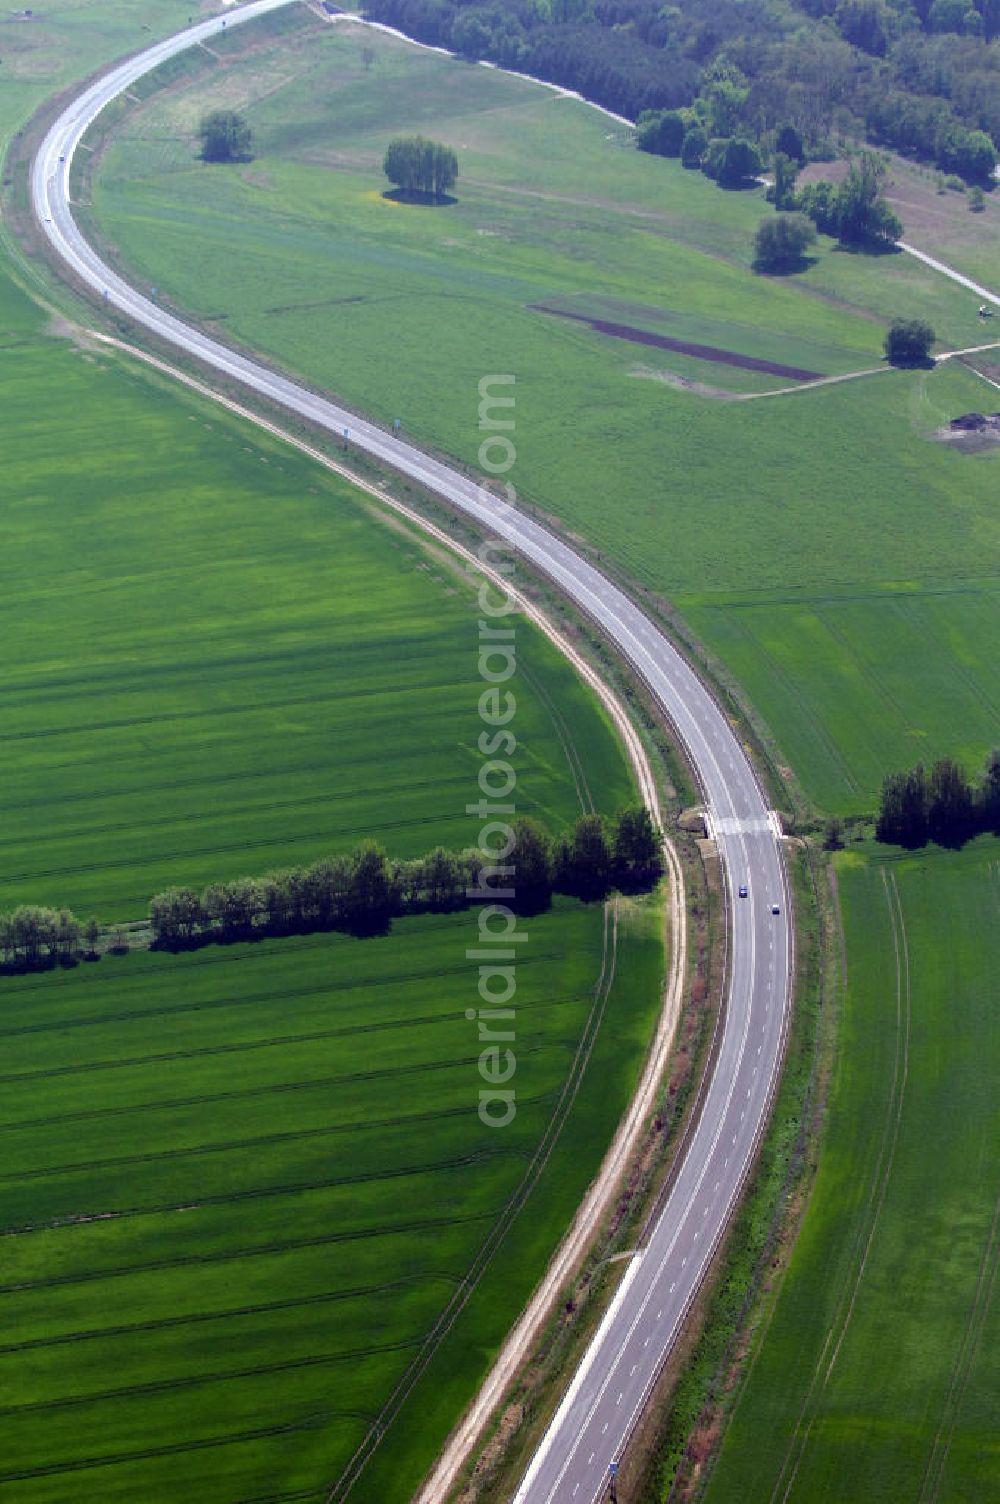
(53, 47)
(799, 535)
(877, 1377)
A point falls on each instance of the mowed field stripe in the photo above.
(195, 1318)
(409, 1229)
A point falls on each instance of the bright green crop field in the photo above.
(247, 1193)
(879, 1373)
(215, 661)
(805, 536)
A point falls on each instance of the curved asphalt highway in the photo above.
(615, 1377)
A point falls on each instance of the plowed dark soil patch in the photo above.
(682, 346)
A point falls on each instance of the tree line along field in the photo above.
(876, 1373)
(246, 1191)
(241, 1188)
(837, 494)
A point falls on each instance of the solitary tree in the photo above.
(420, 167)
(781, 242)
(225, 137)
(908, 342)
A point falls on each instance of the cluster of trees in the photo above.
(32, 937)
(420, 167)
(941, 805)
(916, 74)
(361, 893)
(855, 211)
(225, 137)
(926, 128)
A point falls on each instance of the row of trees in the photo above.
(418, 166)
(695, 137)
(941, 805)
(926, 128)
(362, 892)
(33, 937)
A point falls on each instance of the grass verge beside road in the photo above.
(877, 1371)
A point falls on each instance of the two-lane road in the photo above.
(621, 1365)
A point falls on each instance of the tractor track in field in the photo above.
(847, 1295)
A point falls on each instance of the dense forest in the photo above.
(920, 76)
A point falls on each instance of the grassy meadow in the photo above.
(763, 520)
(58, 44)
(878, 1373)
(246, 1191)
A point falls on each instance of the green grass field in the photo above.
(57, 45)
(243, 1189)
(765, 521)
(878, 1376)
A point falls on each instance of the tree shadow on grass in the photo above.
(786, 268)
(867, 248)
(926, 363)
(414, 196)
